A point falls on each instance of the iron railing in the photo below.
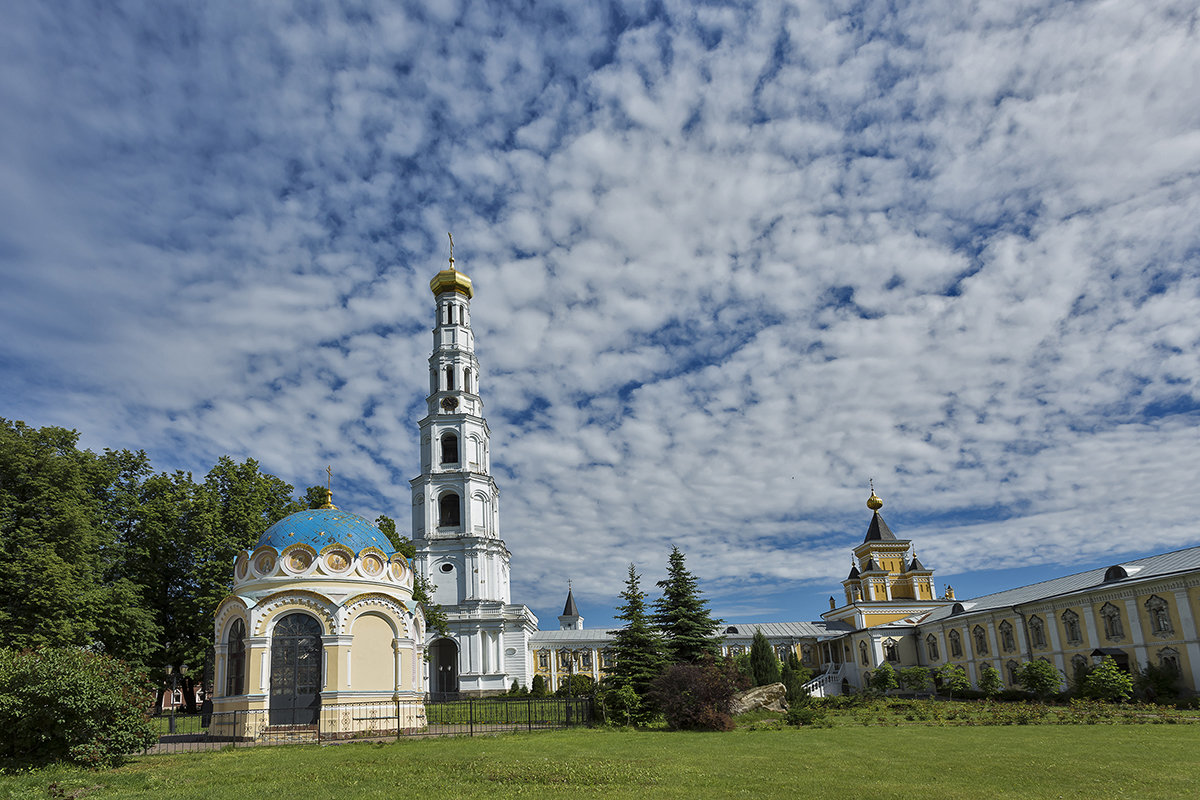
(371, 722)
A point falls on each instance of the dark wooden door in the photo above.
(296, 671)
(445, 667)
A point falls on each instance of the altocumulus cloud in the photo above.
(731, 259)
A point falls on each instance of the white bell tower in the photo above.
(456, 516)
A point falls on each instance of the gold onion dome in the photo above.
(873, 502)
(451, 280)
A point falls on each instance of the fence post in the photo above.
(471, 715)
(529, 712)
(397, 719)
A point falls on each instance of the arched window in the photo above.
(1113, 629)
(1070, 622)
(1079, 668)
(862, 654)
(806, 654)
(1013, 670)
(235, 671)
(931, 647)
(1037, 631)
(980, 635)
(890, 652)
(449, 511)
(955, 644)
(449, 448)
(1160, 616)
(449, 379)
(1007, 641)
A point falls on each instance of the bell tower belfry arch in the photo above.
(456, 512)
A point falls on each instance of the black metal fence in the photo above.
(371, 722)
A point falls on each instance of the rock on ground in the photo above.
(771, 697)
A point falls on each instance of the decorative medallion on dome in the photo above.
(297, 558)
(264, 564)
(372, 565)
(338, 561)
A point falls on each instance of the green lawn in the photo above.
(1084, 761)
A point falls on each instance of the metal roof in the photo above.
(1139, 569)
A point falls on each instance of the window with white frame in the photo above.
(981, 644)
(1160, 616)
(1114, 630)
(543, 659)
(1037, 632)
(1007, 641)
(1070, 621)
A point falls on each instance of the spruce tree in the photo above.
(763, 661)
(637, 648)
(683, 617)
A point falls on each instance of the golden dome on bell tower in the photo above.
(451, 280)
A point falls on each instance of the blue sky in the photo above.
(731, 260)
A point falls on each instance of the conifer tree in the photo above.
(763, 662)
(637, 648)
(683, 617)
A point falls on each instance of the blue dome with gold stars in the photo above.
(321, 527)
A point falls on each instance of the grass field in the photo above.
(1085, 761)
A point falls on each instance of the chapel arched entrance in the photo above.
(444, 667)
(295, 671)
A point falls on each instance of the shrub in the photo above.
(538, 687)
(1158, 683)
(915, 679)
(576, 686)
(1039, 678)
(517, 690)
(69, 704)
(624, 707)
(884, 678)
(698, 697)
(990, 682)
(807, 715)
(1108, 682)
(954, 679)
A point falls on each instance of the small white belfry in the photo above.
(321, 615)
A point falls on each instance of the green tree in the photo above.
(51, 569)
(683, 617)
(538, 687)
(1039, 678)
(915, 679)
(315, 496)
(954, 679)
(883, 679)
(794, 675)
(764, 664)
(636, 648)
(990, 682)
(62, 511)
(423, 588)
(1108, 682)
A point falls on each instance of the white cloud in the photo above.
(741, 258)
